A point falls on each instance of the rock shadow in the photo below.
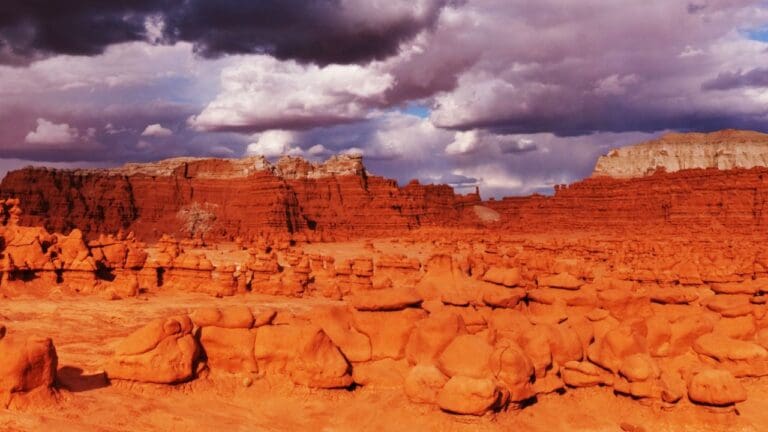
(72, 378)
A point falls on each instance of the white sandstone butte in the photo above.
(726, 149)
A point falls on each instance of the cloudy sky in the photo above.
(513, 96)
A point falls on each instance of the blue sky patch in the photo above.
(758, 34)
(417, 110)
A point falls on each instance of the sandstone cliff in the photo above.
(229, 198)
(689, 200)
(723, 150)
(339, 199)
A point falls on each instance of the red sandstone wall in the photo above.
(690, 200)
(339, 207)
(321, 209)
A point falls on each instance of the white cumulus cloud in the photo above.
(51, 133)
(273, 143)
(262, 93)
(157, 130)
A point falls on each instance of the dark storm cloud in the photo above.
(731, 80)
(30, 29)
(320, 31)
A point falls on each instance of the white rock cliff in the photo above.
(672, 152)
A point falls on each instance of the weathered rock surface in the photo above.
(336, 199)
(164, 352)
(723, 150)
(27, 364)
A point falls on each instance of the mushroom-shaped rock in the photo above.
(502, 297)
(163, 351)
(725, 348)
(716, 387)
(464, 395)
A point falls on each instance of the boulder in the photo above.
(466, 355)
(618, 344)
(509, 277)
(304, 352)
(464, 395)
(229, 349)
(387, 331)
(716, 387)
(163, 351)
(423, 383)
(584, 374)
(26, 364)
(431, 335)
(337, 323)
(513, 369)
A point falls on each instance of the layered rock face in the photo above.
(724, 150)
(225, 199)
(689, 200)
(691, 182)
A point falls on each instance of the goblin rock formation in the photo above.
(663, 321)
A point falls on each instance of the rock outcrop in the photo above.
(723, 150)
(227, 198)
(27, 367)
(681, 181)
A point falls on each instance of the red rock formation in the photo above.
(27, 368)
(692, 200)
(225, 199)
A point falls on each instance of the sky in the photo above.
(511, 96)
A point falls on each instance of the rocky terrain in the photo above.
(601, 308)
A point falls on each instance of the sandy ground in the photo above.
(85, 329)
